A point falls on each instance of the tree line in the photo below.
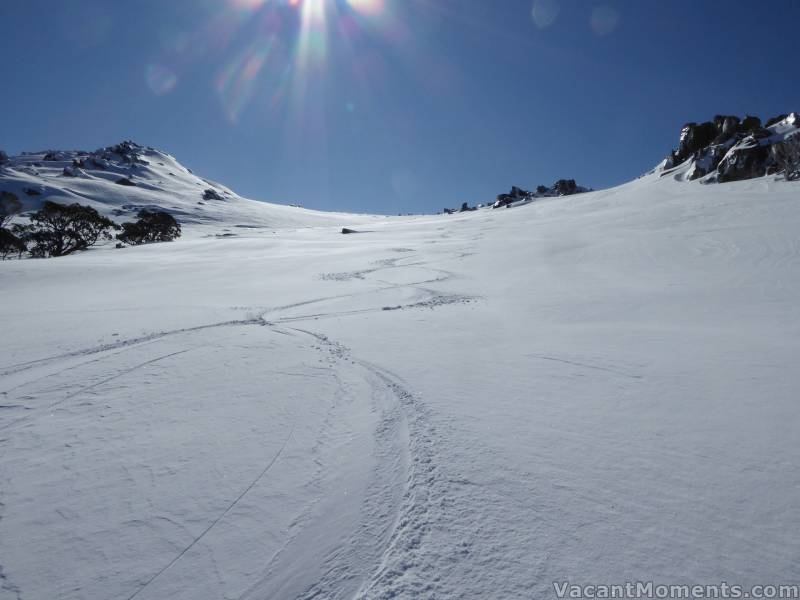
(61, 229)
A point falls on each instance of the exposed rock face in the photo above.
(212, 194)
(749, 161)
(728, 148)
(3, 157)
(695, 137)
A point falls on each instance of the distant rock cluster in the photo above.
(728, 148)
(518, 195)
(562, 187)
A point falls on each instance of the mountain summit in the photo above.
(122, 179)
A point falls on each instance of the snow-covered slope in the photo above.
(601, 388)
(120, 180)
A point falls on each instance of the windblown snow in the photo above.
(595, 389)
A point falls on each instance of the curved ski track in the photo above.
(411, 518)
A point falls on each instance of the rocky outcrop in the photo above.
(728, 148)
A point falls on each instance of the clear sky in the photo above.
(391, 105)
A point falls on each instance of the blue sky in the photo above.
(391, 105)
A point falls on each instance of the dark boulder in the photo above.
(211, 194)
(125, 181)
(749, 124)
(565, 187)
(786, 158)
(346, 231)
(727, 127)
(726, 123)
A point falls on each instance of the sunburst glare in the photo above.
(273, 46)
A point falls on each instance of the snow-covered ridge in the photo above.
(120, 180)
(730, 149)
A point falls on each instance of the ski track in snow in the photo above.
(216, 519)
(92, 386)
(404, 529)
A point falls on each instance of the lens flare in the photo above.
(237, 83)
(313, 41)
(282, 53)
(604, 20)
(160, 79)
(368, 8)
(545, 12)
(247, 4)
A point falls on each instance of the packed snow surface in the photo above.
(600, 389)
